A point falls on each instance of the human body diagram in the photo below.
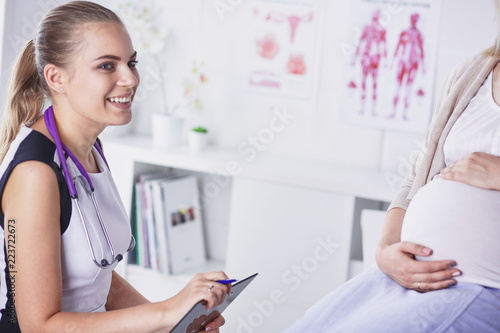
(408, 57)
(410, 50)
(373, 43)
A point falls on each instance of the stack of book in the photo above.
(167, 223)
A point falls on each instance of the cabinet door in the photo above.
(297, 239)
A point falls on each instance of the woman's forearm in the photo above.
(123, 295)
(144, 318)
(393, 224)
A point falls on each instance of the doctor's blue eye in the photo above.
(106, 66)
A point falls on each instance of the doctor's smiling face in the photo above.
(100, 84)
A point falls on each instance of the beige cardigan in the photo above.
(460, 87)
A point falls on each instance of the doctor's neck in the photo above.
(77, 132)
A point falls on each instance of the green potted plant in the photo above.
(198, 138)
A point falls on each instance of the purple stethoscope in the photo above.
(61, 151)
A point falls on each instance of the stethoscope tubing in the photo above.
(119, 257)
(61, 150)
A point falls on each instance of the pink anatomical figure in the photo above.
(267, 46)
(293, 20)
(372, 46)
(296, 64)
(410, 50)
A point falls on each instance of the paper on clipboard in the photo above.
(195, 320)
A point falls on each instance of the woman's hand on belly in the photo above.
(398, 262)
(477, 169)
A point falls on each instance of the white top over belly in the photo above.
(458, 221)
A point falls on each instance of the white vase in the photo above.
(197, 141)
(166, 130)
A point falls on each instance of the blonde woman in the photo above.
(57, 194)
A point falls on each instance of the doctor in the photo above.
(63, 224)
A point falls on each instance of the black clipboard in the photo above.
(198, 317)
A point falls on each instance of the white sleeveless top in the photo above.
(86, 286)
(458, 221)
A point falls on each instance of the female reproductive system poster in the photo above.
(279, 47)
(390, 63)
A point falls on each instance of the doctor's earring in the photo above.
(62, 89)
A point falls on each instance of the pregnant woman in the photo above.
(438, 258)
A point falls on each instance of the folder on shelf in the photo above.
(161, 250)
(160, 231)
(183, 223)
(143, 224)
(198, 317)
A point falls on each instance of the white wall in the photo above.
(21, 19)
(467, 27)
(232, 115)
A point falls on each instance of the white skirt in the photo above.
(373, 302)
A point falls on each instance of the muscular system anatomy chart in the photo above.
(372, 47)
(410, 52)
(390, 64)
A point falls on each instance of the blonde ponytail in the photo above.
(25, 100)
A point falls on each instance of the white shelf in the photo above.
(319, 175)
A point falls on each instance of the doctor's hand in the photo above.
(203, 287)
(398, 262)
(476, 169)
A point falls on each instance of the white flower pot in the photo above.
(197, 141)
(166, 129)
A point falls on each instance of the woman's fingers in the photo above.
(431, 275)
(423, 276)
(434, 266)
(430, 286)
(215, 295)
(415, 249)
(212, 292)
(415, 266)
(434, 280)
(476, 169)
(215, 324)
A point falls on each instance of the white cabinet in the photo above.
(297, 239)
(287, 219)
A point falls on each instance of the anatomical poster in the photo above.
(390, 63)
(278, 51)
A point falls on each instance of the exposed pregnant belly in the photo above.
(459, 222)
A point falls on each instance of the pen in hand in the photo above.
(226, 281)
